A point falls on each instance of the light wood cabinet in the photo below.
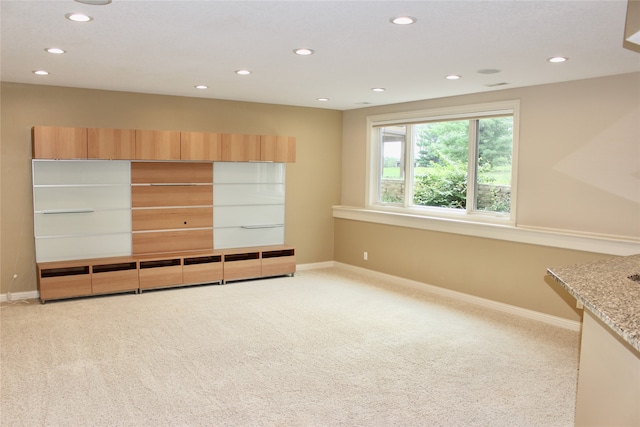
(51, 142)
(111, 144)
(278, 149)
(200, 146)
(240, 148)
(86, 277)
(157, 145)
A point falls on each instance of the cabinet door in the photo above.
(200, 146)
(157, 145)
(59, 143)
(240, 148)
(111, 144)
(278, 149)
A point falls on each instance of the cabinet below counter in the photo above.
(609, 376)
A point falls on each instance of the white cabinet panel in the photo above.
(56, 224)
(248, 194)
(94, 198)
(82, 247)
(67, 172)
(225, 238)
(236, 216)
(239, 173)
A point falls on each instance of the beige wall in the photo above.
(309, 199)
(578, 171)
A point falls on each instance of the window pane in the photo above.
(495, 145)
(392, 143)
(440, 164)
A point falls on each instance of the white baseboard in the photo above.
(483, 302)
(15, 296)
(315, 266)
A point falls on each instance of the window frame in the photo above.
(464, 112)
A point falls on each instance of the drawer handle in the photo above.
(160, 184)
(67, 211)
(252, 227)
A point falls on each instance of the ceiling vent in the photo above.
(497, 84)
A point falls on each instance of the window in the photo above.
(456, 162)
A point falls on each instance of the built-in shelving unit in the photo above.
(121, 210)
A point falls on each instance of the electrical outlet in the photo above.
(365, 256)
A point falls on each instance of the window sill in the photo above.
(553, 238)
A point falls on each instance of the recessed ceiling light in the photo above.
(453, 77)
(557, 59)
(304, 51)
(201, 86)
(55, 50)
(41, 72)
(243, 72)
(78, 17)
(323, 99)
(403, 20)
(378, 89)
(94, 2)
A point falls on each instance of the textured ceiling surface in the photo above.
(168, 47)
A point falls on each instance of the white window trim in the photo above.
(447, 113)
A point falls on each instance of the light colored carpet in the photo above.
(325, 348)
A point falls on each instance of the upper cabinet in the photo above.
(200, 146)
(157, 145)
(278, 149)
(51, 142)
(111, 144)
(240, 148)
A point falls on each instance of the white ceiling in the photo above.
(168, 47)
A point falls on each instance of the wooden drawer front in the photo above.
(240, 148)
(168, 218)
(202, 272)
(244, 269)
(278, 148)
(114, 281)
(200, 146)
(160, 277)
(157, 145)
(172, 241)
(59, 143)
(64, 286)
(171, 173)
(278, 266)
(174, 195)
(111, 144)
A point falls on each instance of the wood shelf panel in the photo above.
(203, 273)
(111, 144)
(171, 173)
(278, 266)
(174, 195)
(157, 145)
(171, 218)
(115, 281)
(278, 149)
(160, 277)
(240, 148)
(246, 269)
(64, 286)
(200, 146)
(50, 142)
(172, 241)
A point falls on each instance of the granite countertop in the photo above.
(606, 289)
